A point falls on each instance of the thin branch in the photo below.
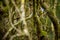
(23, 19)
(19, 31)
(54, 7)
(12, 37)
(17, 9)
(29, 16)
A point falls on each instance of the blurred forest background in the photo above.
(29, 19)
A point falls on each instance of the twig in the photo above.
(11, 27)
(15, 36)
(29, 16)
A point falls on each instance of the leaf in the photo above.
(44, 33)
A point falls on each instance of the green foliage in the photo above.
(38, 22)
(43, 33)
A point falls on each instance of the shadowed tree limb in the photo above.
(36, 24)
